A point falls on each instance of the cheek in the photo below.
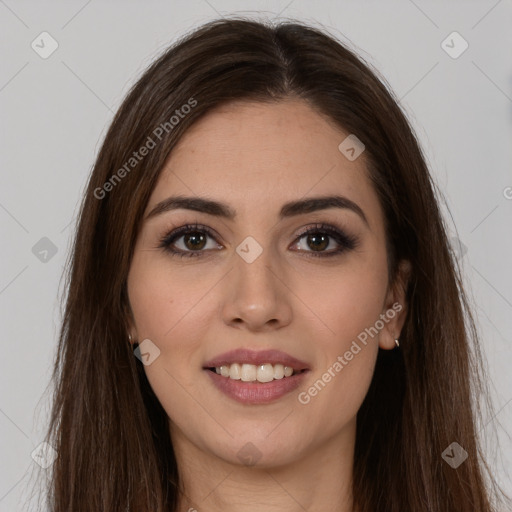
(167, 310)
(164, 300)
(345, 300)
(349, 305)
(170, 303)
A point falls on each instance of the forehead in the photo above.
(261, 155)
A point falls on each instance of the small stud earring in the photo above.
(397, 343)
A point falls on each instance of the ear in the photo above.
(395, 310)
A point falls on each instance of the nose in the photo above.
(257, 298)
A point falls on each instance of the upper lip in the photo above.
(256, 357)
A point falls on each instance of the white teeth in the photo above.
(250, 372)
(265, 373)
(278, 371)
(235, 372)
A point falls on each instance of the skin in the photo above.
(255, 157)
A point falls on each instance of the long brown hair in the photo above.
(107, 426)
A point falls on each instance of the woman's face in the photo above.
(247, 277)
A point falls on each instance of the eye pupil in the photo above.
(197, 237)
(315, 238)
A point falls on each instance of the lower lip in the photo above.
(256, 392)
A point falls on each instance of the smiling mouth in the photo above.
(266, 372)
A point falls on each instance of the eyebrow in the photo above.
(224, 211)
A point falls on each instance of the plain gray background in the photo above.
(55, 112)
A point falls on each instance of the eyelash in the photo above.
(346, 242)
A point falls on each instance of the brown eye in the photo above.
(192, 239)
(319, 237)
(195, 240)
(318, 242)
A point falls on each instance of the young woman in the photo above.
(263, 311)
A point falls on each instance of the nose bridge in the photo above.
(258, 296)
(253, 267)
